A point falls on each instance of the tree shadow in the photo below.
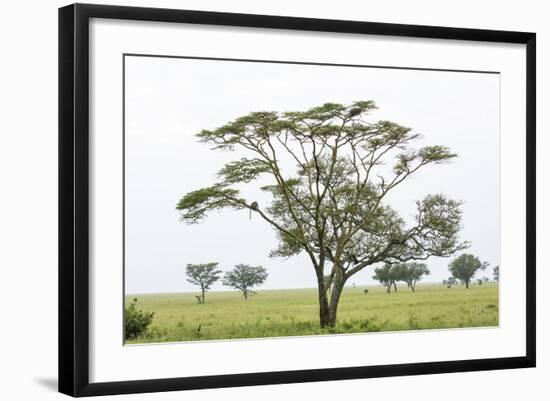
(48, 382)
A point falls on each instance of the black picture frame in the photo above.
(74, 193)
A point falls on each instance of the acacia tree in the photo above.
(465, 267)
(332, 207)
(203, 275)
(387, 275)
(244, 277)
(413, 272)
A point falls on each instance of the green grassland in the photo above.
(273, 313)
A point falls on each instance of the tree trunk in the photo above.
(467, 284)
(336, 291)
(328, 308)
(202, 296)
(245, 294)
(394, 286)
(323, 301)
(413, 285)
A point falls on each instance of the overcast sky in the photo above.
(169, 100)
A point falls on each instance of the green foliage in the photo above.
(136, 322)
(244, 170)
(388, 275)
(273, 313)
(410, 273)
(203, 275)
(197, 204)
(334, 198)
(465, 266)
(244, 277)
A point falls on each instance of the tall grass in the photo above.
(273, 313)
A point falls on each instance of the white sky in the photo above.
(169, 100)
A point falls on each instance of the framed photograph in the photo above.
(250, 199)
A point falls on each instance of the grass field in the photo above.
(272, 313)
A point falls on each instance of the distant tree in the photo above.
(444, 282)
(451, 281)
(400, 272)
(465, 267)
(244, 277)
(496, 273)
(203, 275)
(387, 275)
(333, 207)
(479, 281)
(413, 272)
(136, 321)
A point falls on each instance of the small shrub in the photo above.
(136, 322)
(369, 325)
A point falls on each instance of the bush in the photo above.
(136, 321)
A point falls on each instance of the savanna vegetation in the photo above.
(136, 321)
(331, 205)
(272, 313)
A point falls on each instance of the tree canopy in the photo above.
(388, 275)
(203, 275)
(412, 272)
(332, 204)
(465, 266)
(244, 278)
